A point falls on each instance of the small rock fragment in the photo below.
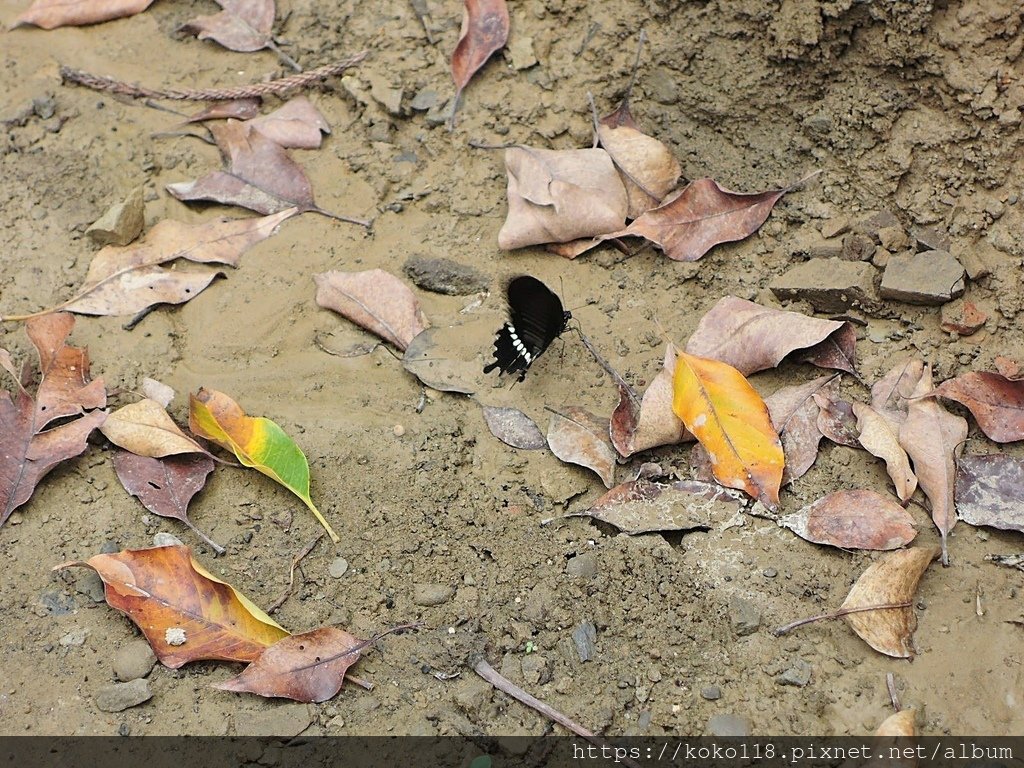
(521, 53)
(931, 239)
(711, 693)
(118, 697)
(582, 566)
(388, 97)
(829, 285)
(122, 222)
(962, 317)
(893, 239)
(799, 674)
(744, 615)
(338, 567)
(431, 594)
(975, 259)
(930, 277)
(74, 638)
(584, 638)
(535, 670)
(857, 247)
(164, 539)
(445, 276)
(133, 660)
(728, 725)
(424, 99)
(835, 226)
(872, 225)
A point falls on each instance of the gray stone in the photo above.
(164, 539)
(728, 725)
(744, 615)
(74, 638)
(440, 112)
(424, 99)
(445, 276)
(118, 697)
(857, 247)
(122, 222)
(338, 567)
(133, 660)
(931, 277)
(872, 225)
(431, 594)
(798, 674)
(584, 637)
(932, 239)
(829, 285)
(582, 566)
(711, 692)
(90, 584)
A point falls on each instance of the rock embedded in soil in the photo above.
(133, 660)
(584, 638)
(798, 674)
(445, 276)
(427, 595)
(711, 693)
(857, 247)
(744, 615)
(728, 725)
(582, 566)
(829, 285)
(118, 697)
(338, 567)
(122, 222)
(962, 317)
(930, 277)
(74, 638)
(835, 226)
(424, 99)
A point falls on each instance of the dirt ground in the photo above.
(906, 107)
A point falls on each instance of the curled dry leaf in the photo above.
(375, 300)
(932, 437)
(165, 486)
(242, 25)
(648, 169)
(731, 421)
(484, 31)
(836, 419)
(559, 195)
(995, 401)
(50, 14)
(853, 520)
(891, 394)
(513, 427)
(164, 588)
(751, 337)
(891, 580)
(636, 426)
(239, 109)
(794, 415)
(877, 436)
(309, 667)
(700, 216)
(579, 437)
(902, 723)
(295, 124)
(990, 491)
(144, 428)
(838, 351)
(65, 389)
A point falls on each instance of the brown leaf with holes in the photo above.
(295, 124)
(242, 25)
(700, 216)
(555, 196)
(877, 436)
(309, 667)
(513, 427)
(375, 300)
(990, 491)
(794, 415)
(891, 580)
(853, 520)
(50, 14)
(995, 401)
(751, 337)
(185, 612)
(484, 32)
(932, 437)
(637, 426)
(165, 486)
(579, 437)
(648, 168)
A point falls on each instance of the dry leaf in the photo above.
(700, 216)
(243, 25)
(50, 14)
(513, 427)
(65, 389)
(877, 436)
(899, 725)
(932, 436)
(579, 437)
(636, 426)
(794, 415)
(375, 300)
(990, 491)
(295, 124)
(484, 31)
(836, 420)
(838, 351)
(440, 359)
(165, 486)
(751, 337)
(560, 195)
(891, 394)
(731, 421)
(995, 401)
(145, 429)
(648, 169)
(891, 580)
(163, 589)
(853, 520)
(309, 667)
(157, 391)
(239, 109)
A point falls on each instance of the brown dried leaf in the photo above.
(700, 216)
(648, 169)
(579, 437)
(751, 337)
(7, 363)
(932, 436)
(903, 723)
(995, 401)
(513, 427)
(637, 427)
(165, 486)
(374, 299)
(50, 14)
(990, 491)
(890, 395)
(893, 579)
(560, 195)
(145, 429)
(239, 109)
(65, 389)
(877, 436)
(794, 415)
(853, 520)
(836, 420)
(484, 31)
(438, 358)
(243, 25)
(838, 351)
(296, 124)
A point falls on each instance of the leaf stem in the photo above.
(836, 615)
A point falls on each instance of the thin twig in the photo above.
(609, 370)
(593, 30)
(276, 87)
(594, 118)
(291, 574)
(360, 682)
(502, 683)
(216, 547)
(477, 144)
(636, 68)
(420, 9)
(894, 696)
(837, 614)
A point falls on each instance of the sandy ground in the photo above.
(905, 107)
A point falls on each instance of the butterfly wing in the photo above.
(536, 318)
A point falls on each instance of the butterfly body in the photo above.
(535, 319)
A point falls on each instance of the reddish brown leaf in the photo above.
(751, 337)
(243, 25)
(994, 400)
(579, 437)
(309, 667)
(877, 435)
(484, 31)
(932, 437)
(65, 389)
(836, 420)
(637, 426)
(165, 486)
(838, 351)
(376, 300)
(295, 124)
(50, 14)
(239, 109)
(700, 216)
(853, 520)
(794, 415)
(990, 491)
(513, 427)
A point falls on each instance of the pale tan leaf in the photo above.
(376, 300)
(50, 14)
(144, 428)
(637, 427)
(879, 438)
(579, 437)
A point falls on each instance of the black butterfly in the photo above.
(535, 319)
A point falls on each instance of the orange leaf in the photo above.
(731, 421)
(484, 31)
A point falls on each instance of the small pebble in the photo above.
(399, 430)
(770, 573)
(133, 660)
(118, 697)
(74, 638)
(338, 567)
(164, 539)
(711, 693)
(431, 594)
(583, 637)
